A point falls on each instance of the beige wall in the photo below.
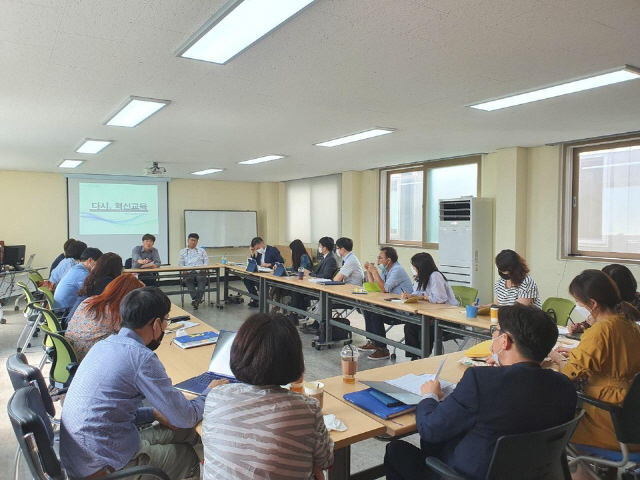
(34, 213)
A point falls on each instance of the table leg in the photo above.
(225, 297)
(218, 288)
(181, 279)
(341, 469)
(425, 336)
(263, 294)
(437, 338)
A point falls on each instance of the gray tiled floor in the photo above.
(319, 364)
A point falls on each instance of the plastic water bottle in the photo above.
(301, 273)
(224, 259)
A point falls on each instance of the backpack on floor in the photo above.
(336, 333)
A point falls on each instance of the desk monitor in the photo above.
(14, 255)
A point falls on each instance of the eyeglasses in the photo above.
(495, 329)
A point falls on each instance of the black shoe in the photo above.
(309, 329)
(253, 304)
(194, 304)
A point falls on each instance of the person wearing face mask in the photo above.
(392, 278)
(327, 268)
(67, 289)
(607, 358)
(515, 285)
(351, 270)
(265, 256)
(103, 405)
(517, 397)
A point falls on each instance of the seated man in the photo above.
(327, 268)
(67, 289)
(194, 256)
(146, 256)
(351, 270)
(71, 257)
(265, 256)
(517, 396)
(393, 279)
(104, 403)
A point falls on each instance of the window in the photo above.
(314, 208)
(605, 191)
(406, 192)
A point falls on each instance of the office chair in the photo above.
(560, 309)
(64, 361)
(529, 456)
(33, 318)
(35, 436)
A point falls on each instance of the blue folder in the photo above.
(368, 402)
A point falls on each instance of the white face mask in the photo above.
(495, 355)
(261, 251)
(584, 311)
(320, 250)
(414, 272)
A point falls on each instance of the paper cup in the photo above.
(314, 390)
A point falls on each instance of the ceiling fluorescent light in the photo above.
(374, 132)
(92, 146)
(268, 158)
(135, 110)
(70, 163)
(207, 171)
(610, 77)
(237, 26)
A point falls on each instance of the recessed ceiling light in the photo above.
(135, 110)
(92, 146)
(610, 77)
(207, 171)
(374, 132)
(267, 158)
(70, 163)
(238, 25)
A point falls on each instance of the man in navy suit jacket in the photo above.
(515, 396)
(266, 256)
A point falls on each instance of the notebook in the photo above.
(219, 367)
(372, 287)
(196, 339)
(368, 402)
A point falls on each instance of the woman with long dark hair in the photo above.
(515, 284)
(431, 285)
(625, 282)
(98, 317)
(607, 358)
(299, 256)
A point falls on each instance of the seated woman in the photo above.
(98, 317)
(257, 429)
(607, 358)
(515, 283)
(432, 286)
(108, 267)
(299, 258)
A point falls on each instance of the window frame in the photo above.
(424, 168)
(571, 193)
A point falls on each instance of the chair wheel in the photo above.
(29, 345)
(3, 321)
(318, 347)
(16, 308)
(393, 356)
(329, 346)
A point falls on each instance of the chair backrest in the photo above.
(626, 419)
(48, 295)
(465, 295)
(537, 455)
(128, 262)
(36, 278)
(34, 432)
(23, 375)
(27, 292)
(559, 308)
(50, 318)
(64, 355)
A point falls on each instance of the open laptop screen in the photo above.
(221, 358)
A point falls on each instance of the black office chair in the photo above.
(23, 375)
(35, 435)
(127, 263)
(530, 456)
(626, 423)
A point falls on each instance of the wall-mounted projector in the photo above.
(155, 171)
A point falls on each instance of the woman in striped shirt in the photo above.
(515, 284)
(257, 429)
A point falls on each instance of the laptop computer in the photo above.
(219, 367)
(28, 264)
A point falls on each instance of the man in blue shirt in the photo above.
(194, 256)
(67, 289)
(393, 279)
(104, 403)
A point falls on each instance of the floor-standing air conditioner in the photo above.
(466, 244)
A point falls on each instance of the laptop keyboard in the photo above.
(207, 377)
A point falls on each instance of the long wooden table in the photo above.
(180, 273)
(183, 364)
(445, 317)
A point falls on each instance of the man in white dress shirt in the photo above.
(194, 256)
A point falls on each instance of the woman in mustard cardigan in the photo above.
(607, 358)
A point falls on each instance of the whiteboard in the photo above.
(221, 228)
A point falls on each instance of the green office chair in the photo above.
(49, 319)
(465, 295)
(559, 308)
(36, 279)
(33, 318)
(64, 361)
(48, 296)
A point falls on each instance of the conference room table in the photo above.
(211, 271)
(446, 318)
(183, 364)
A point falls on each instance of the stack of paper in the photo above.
(412, 383)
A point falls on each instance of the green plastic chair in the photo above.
(33, 318)
(465, 295)
(64, 360)
(48, 295)
(36, 278)
(49, 319)
(559, 308)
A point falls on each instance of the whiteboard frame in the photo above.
(184, 218)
